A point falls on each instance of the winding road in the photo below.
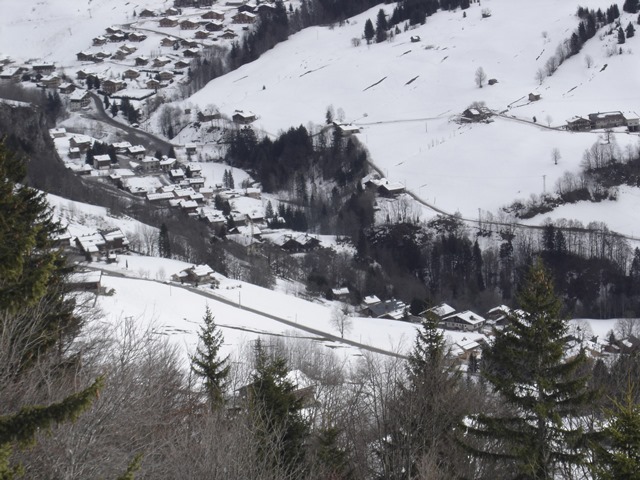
(150, 141)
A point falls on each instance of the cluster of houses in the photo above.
(102, 244)
(604, 120)
(383, 186)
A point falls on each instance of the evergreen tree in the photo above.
(114, 109)
(36, 318)
(106, 101)
(621, 37)
(369, 31)
(526, 367)
(424, 417)
(381, 27)
(276, 411)
(630, 30)
(617, 455)
(21, 428)
(164, 243)
(268, 213)
(630, 6)
(206, 363)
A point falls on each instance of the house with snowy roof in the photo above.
(466, 321)
(196, 274)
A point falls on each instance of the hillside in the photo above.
(405, 95)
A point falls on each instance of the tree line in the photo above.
(289, 409)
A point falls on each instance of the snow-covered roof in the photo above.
(442, 309)
(102, 158)
(159, 196)
(90, 243)
(468, 317)
(137, 149)
(371, 300)
(57, 131)
(77, 95)
(338, 292)
(188, 204)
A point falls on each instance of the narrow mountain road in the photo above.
(212, 295)
(150, 141)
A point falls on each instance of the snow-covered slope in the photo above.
(404, 96)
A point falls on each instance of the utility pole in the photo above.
(544, 184)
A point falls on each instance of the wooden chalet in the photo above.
(168, 22)
(81, 142)
(243, 118)
(146, 13)
(191, 52)
(99, 41)
(141, 60)
(44, 68)
(214, 26)
(130, 74)
(213, 15)
(112, 86)
(466, 321)
(244, 18)
(137, 37)
(51, 81)
(607, 120)
(84, 56)
(169, 42)
(153, 84)
(578, 124)
(101, 162)
(228, 34)
(79, 99)
(188, 25)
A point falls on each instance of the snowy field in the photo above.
(406, 118)
(142, 291)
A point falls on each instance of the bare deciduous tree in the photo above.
(340, 320)
(480, 77)
(555, 155)
(588, 60)
(540, 76)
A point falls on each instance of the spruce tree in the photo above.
(426, 413)
(369, 31)
(617, 455)
(276, 411)
(526, 367)
(621, 37)
(381, 27)
(206, 363)
(164, 243)
(630, 30)
(37, 319)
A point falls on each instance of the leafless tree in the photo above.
(548, 118)
(588, 60)
(480, 77)
(540, 76)
(555, 155)
(626, 327)
(340, 320)
(551, 65)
